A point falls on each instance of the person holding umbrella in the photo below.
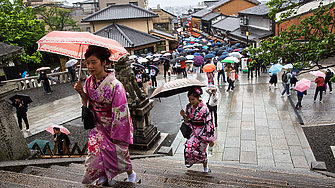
(320, 87)
(21, 106)
(153, 74)
(198, 117)
(59, 138)
(108, 153)
(301, 88)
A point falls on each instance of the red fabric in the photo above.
(319, 81)
(182, 64)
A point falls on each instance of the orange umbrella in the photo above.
(74, 44)
(209, 68)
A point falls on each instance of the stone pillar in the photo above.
(12, 143)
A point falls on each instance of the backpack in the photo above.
(284, 77)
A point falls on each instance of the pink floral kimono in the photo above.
(113, 122)
(200, 121)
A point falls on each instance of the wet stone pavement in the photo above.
(256, 125)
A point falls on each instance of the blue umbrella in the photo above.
(155, 67)
(195, 54)
(205, 47)
(165, 58)
(211, 41)
(223, 57)
(208, 56)
(189, 50)
(24, 74)
(204, 50)
(138, 65)
(275, 68)
(180, 49)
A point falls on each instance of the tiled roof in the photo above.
(9, 50)
(209, 3)
(126, 36)
(257, 10)
(211, 16)
(161, 33)
(201, 13)
(228, 24)
(118, 12)
(253, 33)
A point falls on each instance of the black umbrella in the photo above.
(138, 65)
(219, 53)
(154, 67)
(173, 61)
(204, 50)
(181, 59)
(24, 98)
(216, 49)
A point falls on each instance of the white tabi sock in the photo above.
(132, 177)
(102, 180)
(206, 169)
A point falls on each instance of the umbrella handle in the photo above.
(180, 102)
(81, 60)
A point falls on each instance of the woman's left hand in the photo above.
(211, 143)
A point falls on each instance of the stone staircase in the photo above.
(165, 172)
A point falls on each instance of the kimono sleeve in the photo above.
(209, 132)
(122, 127)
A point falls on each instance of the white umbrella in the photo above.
(189, 61)
(149, 56)
(71, 62)
(288, 66)
(167, 54)
(232, 59)
(157, 55)
(142, 60)
(43, 68)
(132, 57)
(235, 54)
(189, 56)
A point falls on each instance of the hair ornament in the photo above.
(197, 90)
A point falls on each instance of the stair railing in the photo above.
(47, 153)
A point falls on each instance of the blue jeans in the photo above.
(287, 89)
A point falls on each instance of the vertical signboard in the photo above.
(190, 25)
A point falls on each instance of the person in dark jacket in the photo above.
(329, 75)
(59, 138)
(166, 64)
(21, 112)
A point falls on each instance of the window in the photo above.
(161, 48)
(161, 43)
(134, 3)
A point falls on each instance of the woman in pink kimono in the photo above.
(199, 119)
(108, 153)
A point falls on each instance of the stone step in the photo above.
(4, 184)
(37, 181)
(75, 168)
(214, 177)
(252, 174)
(63, 174)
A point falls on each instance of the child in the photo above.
(231, 81)
(139, 79)
(300, 95)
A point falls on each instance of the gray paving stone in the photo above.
(309, 156)
(293, 140)
(248, 125)
(284, 165)
(248, 117)
(300, 162)
(248, 135)
(222, 126)
(235, 116)
(282, 156)
(266, 162)
(264, 152)
(276, 133)
(233, 132)
(262, 130)
(269, 109)
(231, 154)
(274, 124)
(289, 130)
(272, 116)
(248, 145)
(248, 157)
(260, 115)
(279, 143)
(261, 122)
(262, 140)
(233, 142)
(234, 123)
(259, 108)
(296, 151)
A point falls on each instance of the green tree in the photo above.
(305, 44)
(56, 17)
(18, 27)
